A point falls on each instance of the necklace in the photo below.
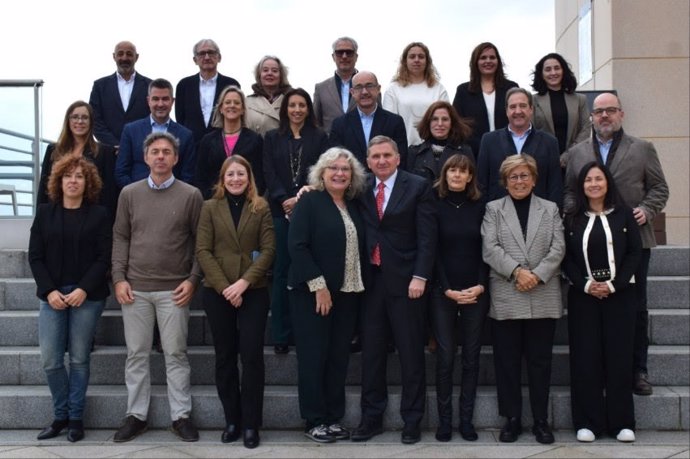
(232, 132)
(295, 166)
(235, 200)
(455, 204)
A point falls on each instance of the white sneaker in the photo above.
(626, 435)
(585, 435)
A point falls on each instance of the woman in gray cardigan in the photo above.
(523, 244)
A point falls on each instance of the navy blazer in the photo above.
(543, 147)
(46, 246)
(211, 154)
(107, 107)
(471, 105)
(188, 104)
(347, 131)
(316, 241)
(407, 232)
(277, 163)
(130, 166)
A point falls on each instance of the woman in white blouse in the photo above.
(415, 86)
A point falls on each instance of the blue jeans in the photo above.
(70, 329)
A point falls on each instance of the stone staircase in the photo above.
(25, 400)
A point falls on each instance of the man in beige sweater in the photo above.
(155, 275)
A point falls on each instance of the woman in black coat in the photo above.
(230, 137)
(289, 152)
(603, 250)
(69, 255)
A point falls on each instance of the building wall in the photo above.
(641, 48)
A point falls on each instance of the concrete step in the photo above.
(30, 407)
(20, 328)
(668, 366)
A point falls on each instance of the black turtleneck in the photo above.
(235, 203)
(559, 114)
(522, 209)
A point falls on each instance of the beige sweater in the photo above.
(154, 236)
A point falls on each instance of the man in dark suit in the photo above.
(354, 129)
(520, 136)
(400, 226)
(197, 94)
(119, 98)
(332, 96)
(636, 169)
(130, 165)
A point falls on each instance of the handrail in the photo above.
(20, 83)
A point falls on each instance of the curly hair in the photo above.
(254, 201)
(568, 82)
(67, 164)
(431, 75)
(357, 179)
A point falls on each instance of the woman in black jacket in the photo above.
(289, 152)
(603, 250)
(69, 255)
(231, 137)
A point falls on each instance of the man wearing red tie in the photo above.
(398, 211)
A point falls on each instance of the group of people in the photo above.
(387, 219)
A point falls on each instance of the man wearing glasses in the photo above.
(635, 167)
(354, 129)
(520, 136)
(332, 96)
(197, 94)
(119, 98)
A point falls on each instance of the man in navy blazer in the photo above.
(197, 94)
(354, 129)
(119, 98)
(401, 244)
(520, 136)
(130, 165)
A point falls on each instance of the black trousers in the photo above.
(512, 339)
(444, 320)
(642, 320)
(382, 314)
(323, 354)
(239, 330)
(600, 333)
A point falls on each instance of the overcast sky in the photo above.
(69, 43)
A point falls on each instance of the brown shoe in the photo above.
(130, 429)
(184, 429)
(641, 385)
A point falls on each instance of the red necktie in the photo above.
(380, 197)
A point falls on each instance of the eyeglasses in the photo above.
(77, 118)
(369, 87)
(344, 52)
(522, 178)
(609, 111)
(344, 170)
(209, 53)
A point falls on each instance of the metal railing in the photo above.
(20, 146)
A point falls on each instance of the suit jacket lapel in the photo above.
(510, 217)
(536, 212)
(223, 212)
(571, 106)
(368, 201)
(397, 192)
(356, 124)
(621, 153)
(545, 105)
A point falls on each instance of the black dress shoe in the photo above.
(52, 430)
(75, 431)
(281, 348)
(251, 438)
(510, 431)
(542, 432)
(411, 433)
(366, 430)
(467, 431)
(230, 434)
(641, 385)
(444, 432)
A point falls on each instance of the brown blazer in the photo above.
(579, 123)
(225, 252)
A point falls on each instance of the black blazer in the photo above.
(407, 232)
(422, 161)
(471, 105)
(107, 107)
(316, 241)
(627, 248)
(498, 145)
(347, 131)
(277, 163)
(93, 252)
(188, 105)
(211, 154)
(104, 162)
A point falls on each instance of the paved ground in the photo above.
(163, 444)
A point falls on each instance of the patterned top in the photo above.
(352, 280)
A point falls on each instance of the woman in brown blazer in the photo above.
(235, 247)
